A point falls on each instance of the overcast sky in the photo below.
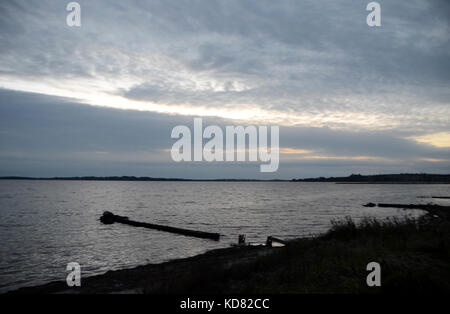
(102, 99)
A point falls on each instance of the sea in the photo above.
(44, 225)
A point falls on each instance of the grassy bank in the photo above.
(414, 255)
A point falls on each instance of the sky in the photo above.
(102, 99)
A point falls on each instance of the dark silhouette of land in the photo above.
(132, 178)
(402, 178)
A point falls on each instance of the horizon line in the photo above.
(148, 178)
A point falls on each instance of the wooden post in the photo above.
(110, 218)
(269, 241)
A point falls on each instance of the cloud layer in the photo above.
(347, 96)
(49, 136)
(304, 63)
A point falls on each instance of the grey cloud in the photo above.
(314, 58)
(239, 36)
(46, 136)
(41, 123)
(358, 143)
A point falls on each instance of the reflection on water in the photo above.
(46, 224)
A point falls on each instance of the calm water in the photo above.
(46, 224)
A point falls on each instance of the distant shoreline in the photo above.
(397, 182)
(141, 179)
(404, 178)
(400, 178)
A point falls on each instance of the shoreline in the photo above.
(133, 280)
(401, 178)
(297, 267)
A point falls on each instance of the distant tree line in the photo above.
(384, 178)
